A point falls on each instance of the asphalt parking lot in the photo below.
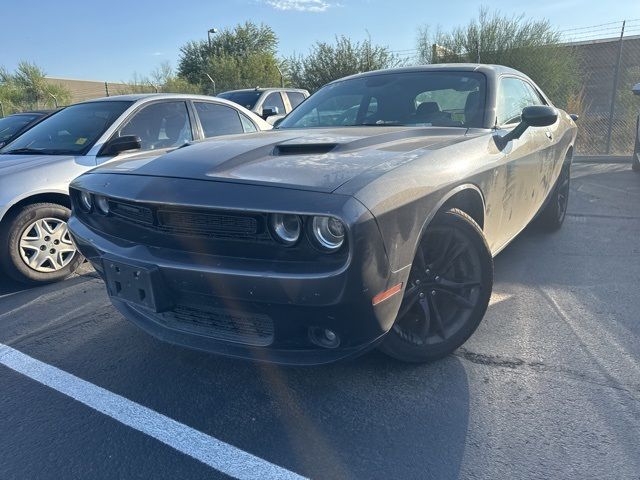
(548, 387)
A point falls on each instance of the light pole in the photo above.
(212, 81)
(55, 99)
(209, 32)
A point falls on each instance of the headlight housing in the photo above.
(102, 204)
(286, 228)
(86, 201)
(328, 232)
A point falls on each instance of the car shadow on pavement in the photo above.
(371, 417)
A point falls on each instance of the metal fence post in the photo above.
(614, 91)
(106, 88)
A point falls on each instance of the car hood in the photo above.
(311, 159)
(16, 163)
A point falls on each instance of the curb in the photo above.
(602, 159)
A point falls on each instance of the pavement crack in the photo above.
(519, 363)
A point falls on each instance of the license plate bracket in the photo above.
(138, 284)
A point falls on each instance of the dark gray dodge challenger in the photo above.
(369, 218)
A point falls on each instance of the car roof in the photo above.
(136, 97)
(443, 67)
(267, 89)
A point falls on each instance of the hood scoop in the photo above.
(303, 148)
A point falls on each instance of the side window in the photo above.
(247, 124)
(295, 99)
(160, 125)
(513, 96)
(534, 96)
(218, 119)
(274, 100)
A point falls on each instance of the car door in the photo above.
(523, 156)
(162, 126)
(216, 119)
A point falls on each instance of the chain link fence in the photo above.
(591, 73)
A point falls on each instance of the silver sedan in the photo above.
(37, 167)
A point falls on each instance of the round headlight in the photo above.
(286, 227)
(86, 202)
(328, 232)
(103, 204)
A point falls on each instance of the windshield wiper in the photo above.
(39, 151)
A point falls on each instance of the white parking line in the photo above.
(213, 452)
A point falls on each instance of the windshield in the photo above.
(12, 124)
(246, 99)
(72, 131)
(451, 99)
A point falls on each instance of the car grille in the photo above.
(233, 326)
(190, 222)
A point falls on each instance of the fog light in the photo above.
(323, 337)
(103, 204)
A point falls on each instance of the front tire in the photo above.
(447, 292)
(36, 246)
(552, 216)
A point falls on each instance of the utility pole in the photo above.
(614, 90)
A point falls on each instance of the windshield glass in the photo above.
(73, 130)
(246, 99)
(451, 99)
(12, 124)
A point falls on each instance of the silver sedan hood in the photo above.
(310, 159)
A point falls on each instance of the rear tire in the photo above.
(447, 293)
(552, 216)
(35, 247)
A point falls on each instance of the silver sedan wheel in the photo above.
(46, 246)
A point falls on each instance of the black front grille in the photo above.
(196, 222)
(233, 326)
(206, 223)
(129, 211)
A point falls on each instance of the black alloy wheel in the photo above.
(447, 292)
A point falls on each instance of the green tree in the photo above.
(531, 46)
(27, 88)
(242, 57)
(327, 62)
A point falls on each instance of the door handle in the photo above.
(549, 135)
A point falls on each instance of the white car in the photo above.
(37, 167)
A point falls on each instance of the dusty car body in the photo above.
(37, 167)
(200, 255)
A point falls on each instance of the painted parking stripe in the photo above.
(213, 452)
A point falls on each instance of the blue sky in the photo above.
(112, 40)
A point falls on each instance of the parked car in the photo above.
(12, 126)
(36, 168)
(636, 151)
(271, 104)
(370, 217)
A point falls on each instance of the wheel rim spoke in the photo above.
(438, 323)
(46, 245)
(459, 299)
(426, 311)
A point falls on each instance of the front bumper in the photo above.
(217, 304)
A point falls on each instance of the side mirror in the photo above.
(120, 144)
(278, 122)
(636, 89)
(270, 112)
(533, 116)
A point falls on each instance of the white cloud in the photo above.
(157, 54)
(300, 5)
